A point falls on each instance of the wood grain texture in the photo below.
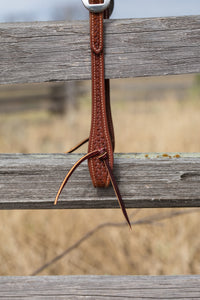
(56, 51)
(31, 181)
(100, 287)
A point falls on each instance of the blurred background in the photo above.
(46, 10)
(159, 114)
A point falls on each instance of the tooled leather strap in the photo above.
(101, 140)
(107, 14)
(101, 133)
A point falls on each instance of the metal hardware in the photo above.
(111, 7)
(96, 8)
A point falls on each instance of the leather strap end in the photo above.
(96, 25)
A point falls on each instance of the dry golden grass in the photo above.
(28, 239)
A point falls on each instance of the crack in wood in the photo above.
(195, 176)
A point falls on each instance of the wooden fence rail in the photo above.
(31, 181)
(100, 287)
(56, 51)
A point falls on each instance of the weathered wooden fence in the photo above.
(55, 98)
(58, 51)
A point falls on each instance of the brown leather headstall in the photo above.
(101, 139)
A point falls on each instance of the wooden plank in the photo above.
(30, 181)
(100, 287)
(56, 51)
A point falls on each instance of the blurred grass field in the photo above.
(168, 122)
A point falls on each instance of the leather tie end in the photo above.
(103, 155)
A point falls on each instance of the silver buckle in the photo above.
(96, 8)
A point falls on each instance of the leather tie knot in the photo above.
(103, 155)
